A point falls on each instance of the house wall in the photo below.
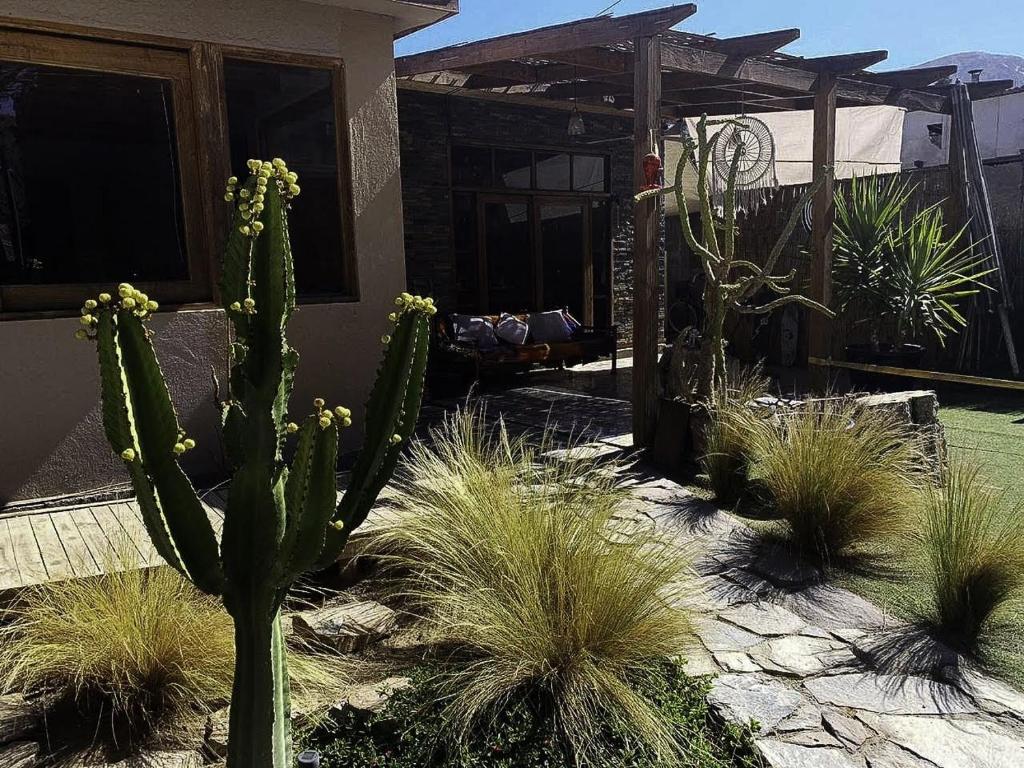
(430, 122)
(999, 123)
(51, 440)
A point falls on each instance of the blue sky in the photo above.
(913, 31)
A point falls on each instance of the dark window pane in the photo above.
(471, 167)
(513, 168)
(600, 252)
(89, 184)
(277, 110)
(588, 173)
(552, 170)
(467, 264)
(561, 242)
(509, 271)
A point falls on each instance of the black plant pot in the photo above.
(891, 355)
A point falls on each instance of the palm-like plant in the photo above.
(902, 269)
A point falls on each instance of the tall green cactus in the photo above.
(281, 520)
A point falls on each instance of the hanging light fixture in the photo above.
(576, 126)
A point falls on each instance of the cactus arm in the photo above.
(312, 496)
(232, 420)
(392, 410)
(117, 423)
(156, 426)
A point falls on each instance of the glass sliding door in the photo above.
(509, 277)
(562, 235)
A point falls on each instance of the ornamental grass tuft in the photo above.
(975, 551)
(548, 589)
(839, 475)
(141, 651)
(729, 431)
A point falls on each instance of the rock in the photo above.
(834, 609)
(346, 628)
(846, 728)
(779, 754)
(812, 739)
(779, 567)
(742, 698)
(698, 662)
(806, 718)
(953, 743)
(719, 636)
(890, 694)
(734, 661)
(216, 738)
(887, 755)
(17, 718)
(718, 592)
(373, 697)
(795, 655)
(992, 695)
(19, 754)
(765, 619)
(161, 759)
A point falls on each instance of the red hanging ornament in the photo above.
(651, 165)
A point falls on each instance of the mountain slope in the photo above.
(995, 66)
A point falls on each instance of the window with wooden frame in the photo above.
(103, 147)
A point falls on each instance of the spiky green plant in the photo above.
(731, 283)
(281, 520)
(732, 419)
(975, 551)
(548, 591)
(839, 475)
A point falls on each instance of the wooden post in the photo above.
(646, 122)
(819, 326)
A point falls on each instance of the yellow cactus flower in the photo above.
(244, 229)
(385, 339)
(291, 177)
(81, 335)
(90, 304)
(277, 162)
(232, 180)
(235, 306)
(152, 306)
(346, 422)
(318, 403)
(257, 226)
(128, 454)
(85, 319)
(128, 302)
(337, 525)
(324, 422)
(393, 317)
(291, 427)
(229, 196)
(396, 439)
(179, 448)
(294, 189)
(104, 298)
(189, 443)
(249, 303)
(341, 412)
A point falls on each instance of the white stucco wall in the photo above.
(999, 123)
(50, 436)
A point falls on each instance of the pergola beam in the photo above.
(823, 218)
(540, 43)
(755, 45)
(841, 64)
(912, 78)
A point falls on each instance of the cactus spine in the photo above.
(281, 520)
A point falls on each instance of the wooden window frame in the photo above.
(196, 74)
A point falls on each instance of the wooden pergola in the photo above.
(643, 67)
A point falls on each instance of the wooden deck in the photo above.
(42, 546)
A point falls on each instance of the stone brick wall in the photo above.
(430, 122)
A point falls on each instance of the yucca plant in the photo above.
(838, 475)
(548, 594)
(900, 268)
(282, 519)
(975, 550)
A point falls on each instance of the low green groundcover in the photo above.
(409, 733)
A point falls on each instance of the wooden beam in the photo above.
(594, 59)
(755, 45)
(585, 33)
(646, 124)
(823, 219)
(841, 64)
(912, 78)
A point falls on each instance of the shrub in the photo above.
(839, 476)
(140, 649)
(409, 733)
(975, 550)
(545, 591)
(728, 433)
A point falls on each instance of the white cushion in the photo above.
(549, 327)
(512, 329)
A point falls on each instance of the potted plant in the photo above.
(900, 272)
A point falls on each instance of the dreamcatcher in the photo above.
(755, 175)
